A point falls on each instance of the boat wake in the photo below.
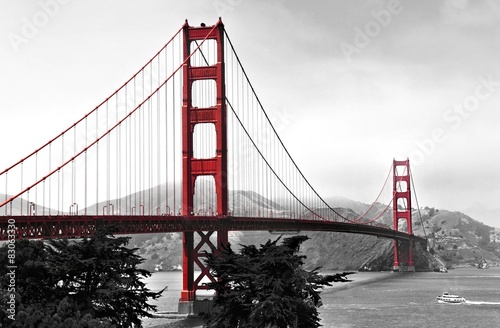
(481, 303)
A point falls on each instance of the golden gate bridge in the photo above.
(184, 145)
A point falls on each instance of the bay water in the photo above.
(389, 299)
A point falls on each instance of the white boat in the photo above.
(450, 298)
(159, 267)
(443, 270)
(483, 264)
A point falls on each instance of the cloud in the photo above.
(480, 13)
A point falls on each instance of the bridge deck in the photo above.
(74, 226)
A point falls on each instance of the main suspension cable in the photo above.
(276, 134)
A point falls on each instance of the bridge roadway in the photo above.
(75, 226)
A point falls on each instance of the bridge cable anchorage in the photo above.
(275, 132)
(96, 141)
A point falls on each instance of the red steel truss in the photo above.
(78, 226)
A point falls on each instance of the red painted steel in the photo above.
(193, 167)
(77, 226)
(403, 253)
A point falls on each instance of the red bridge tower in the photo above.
(403, 253)
(192, 167)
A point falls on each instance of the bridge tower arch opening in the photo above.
(402, 219)
(203, 70)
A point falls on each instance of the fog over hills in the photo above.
(486, 214)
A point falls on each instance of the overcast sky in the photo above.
(351, 84)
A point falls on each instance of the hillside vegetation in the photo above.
(458, 239)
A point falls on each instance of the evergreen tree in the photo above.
(266, 287)
(91, 283)
(102, 277)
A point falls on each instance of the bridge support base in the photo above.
(185, 307)
(403, 268)
(195, 307)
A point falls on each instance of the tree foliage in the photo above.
(94, 282)
(266, 287)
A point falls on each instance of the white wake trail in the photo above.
(481, 303)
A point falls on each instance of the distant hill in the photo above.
(459, 239)
(20, 206)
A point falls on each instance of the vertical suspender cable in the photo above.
(6, 189)
(22, 176)
(43, 197)
(158, 144)
(167, 209)
(97, 170)
(174, 139)
(36, 179)
(50, 178)
(135, 150)
(149, 153)
(85, 174)
(107, 160)
(58, 192)
(130, 155)
(73, 171)
(62, 175)
(141, 150)
(118, 162)
(127, 157)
